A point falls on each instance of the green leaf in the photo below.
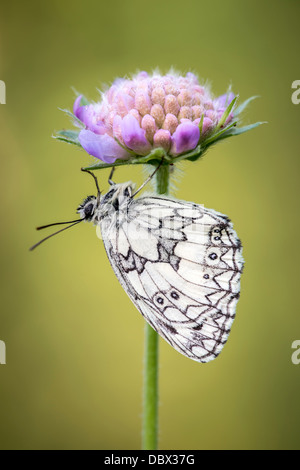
(72, 116)
(198, 156)
(241, 130)
(217, 135)
(65, 139)
(228, 131)
(194, 153)
(156, 154)
(153, 158)
(101, 165)
(201, 125)
(226, 113)
(70, 134)
(67, 135)
(243, 105)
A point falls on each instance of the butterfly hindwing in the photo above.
(180, 264)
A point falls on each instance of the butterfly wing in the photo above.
(180, 264)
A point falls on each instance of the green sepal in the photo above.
(201, 124)
(69, 136)
(241, 130)
(100, 166)
(72, 116)
(243, 105)
(153, 158)
(155, 154)
(193, 154)
(226, 113)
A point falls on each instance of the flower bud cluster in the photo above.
(136, 116)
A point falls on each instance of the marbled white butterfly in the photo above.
(179, 263)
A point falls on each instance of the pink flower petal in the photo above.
(225, 100)
(76, 106)
(185, 138)
(133, 136)
(103, 147)
(206, 125)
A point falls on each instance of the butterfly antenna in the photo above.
(96, 181)
(110, 181)
(148, 179)
(57, 223)
(55, 233)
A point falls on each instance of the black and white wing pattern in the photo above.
(180, 264)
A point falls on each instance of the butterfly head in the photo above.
(94, 209)
(87, 208)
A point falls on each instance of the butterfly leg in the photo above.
(110, 181)
(148, 179)
(96, 181)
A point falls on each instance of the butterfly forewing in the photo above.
(180, 264)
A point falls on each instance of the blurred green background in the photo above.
(73, 378)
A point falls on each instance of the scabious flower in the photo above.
(148, 112)
(172, 116)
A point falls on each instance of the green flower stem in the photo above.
(162, 179)
(150, 398)
(150, 412)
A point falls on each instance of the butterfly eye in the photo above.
(88, 210)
